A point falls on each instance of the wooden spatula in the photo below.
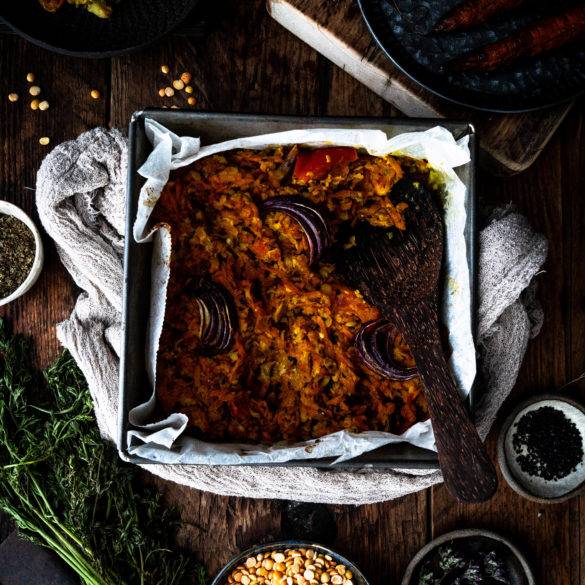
(399, 273)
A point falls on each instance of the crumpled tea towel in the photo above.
(81, 202)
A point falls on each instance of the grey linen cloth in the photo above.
(81, 203)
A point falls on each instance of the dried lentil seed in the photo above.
(44, 140)
(17, 253)
(44, 105)
(185, 77)
(169, 91)
(13, 97)
(95, 94)
(178, 84)
(30, 77)
(34, 90)
(34, 105)
(165, 69)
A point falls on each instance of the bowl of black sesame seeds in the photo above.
(21, 252)
(541, 449)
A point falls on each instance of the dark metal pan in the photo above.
(404, 30)
(213, 128)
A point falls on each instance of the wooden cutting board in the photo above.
(509, 143)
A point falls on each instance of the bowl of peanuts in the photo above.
(290, 562)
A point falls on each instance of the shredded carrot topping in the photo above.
(293, 372)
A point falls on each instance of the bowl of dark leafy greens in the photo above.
(469, 557)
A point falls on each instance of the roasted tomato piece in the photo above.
(315, 164)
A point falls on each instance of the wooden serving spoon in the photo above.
(398, 272)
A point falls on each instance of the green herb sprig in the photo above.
(66, 488)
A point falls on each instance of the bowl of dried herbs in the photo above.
(469, 557)
(21, 252)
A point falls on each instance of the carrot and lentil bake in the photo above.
(259, 340)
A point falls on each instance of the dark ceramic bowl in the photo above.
(404, 31)
(74, 31)
(519, 570)
(221, 578)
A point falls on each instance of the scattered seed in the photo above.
(34, 105)
(34, 90)
(191, 101)
(169, 91)
(186, 77)
(173, 107)
(95, 94)
(13, 97)
(188, 89)
(30, 77)
(161, 92)
(44, 140)
(44, 105)
(178, 84)
(165, 69)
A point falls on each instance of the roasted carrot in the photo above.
(473, 12)
(545, 35)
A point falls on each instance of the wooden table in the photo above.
(248, 63)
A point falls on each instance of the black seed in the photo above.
(547, 444)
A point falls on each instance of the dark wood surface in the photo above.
(248, 63)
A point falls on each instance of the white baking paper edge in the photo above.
(164, 440)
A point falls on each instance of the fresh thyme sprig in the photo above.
(66, 488)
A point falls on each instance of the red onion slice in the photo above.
(310, 219)
(218, 317)
(375, 343)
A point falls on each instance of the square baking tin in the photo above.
(216, 127)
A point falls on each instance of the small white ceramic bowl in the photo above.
(534, 488)
(10, 209)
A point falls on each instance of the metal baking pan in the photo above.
(217, 127)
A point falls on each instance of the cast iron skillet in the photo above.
(74, 31)
(403, 29)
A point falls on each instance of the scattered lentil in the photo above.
(188, 89)
(35, 104)
(161, 92)
(165, 69)
(13, 97)
(178, 84)
(547, 443)
(17, 253)
(185, 77)
(44, 105)
(34, 90)
(30, 77)
(95, 94)
(44, 140)
(290, 567)
(191, 101)
(169, 91)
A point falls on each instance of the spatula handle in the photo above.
(468, 472)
